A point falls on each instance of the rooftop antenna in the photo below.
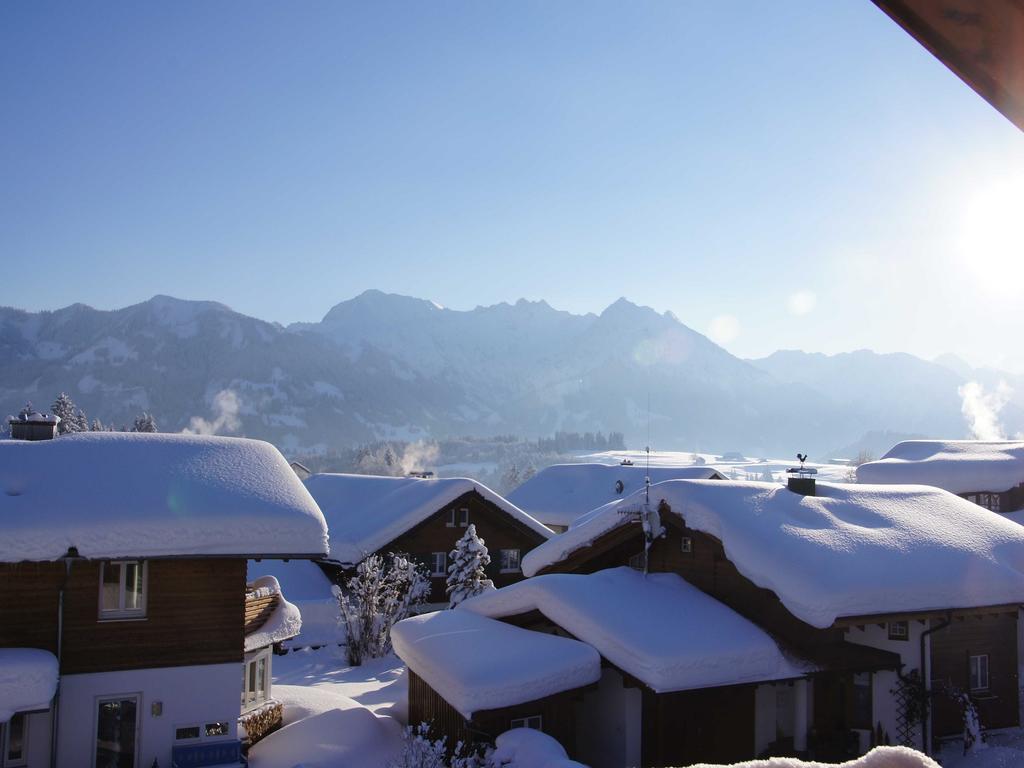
(647, 471)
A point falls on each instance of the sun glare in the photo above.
(992, 233)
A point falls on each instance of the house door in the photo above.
(116, 731)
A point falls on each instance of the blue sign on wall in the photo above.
(211, 753)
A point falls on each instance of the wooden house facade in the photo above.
(144, 616)
(424, 518)
(884, 676)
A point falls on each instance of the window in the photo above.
(459, 517)
(221, 728)
(14, 738)
(979, 673)
(509, 560)
(255, 681)
(990, 501)
(636, 562)
(686, 544)
(187, 732)
(116, 728)
(438, 563)
(122, 589)
(533, 721)
(899, 630)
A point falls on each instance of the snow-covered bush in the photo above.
(144, 422)
(466, 574)
(382, 593)
(420, 751)
(973, 741)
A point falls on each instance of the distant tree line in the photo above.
(73, 418)
(583, 441)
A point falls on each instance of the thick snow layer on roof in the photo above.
(283, 623)
(958, 466)
(28, 680)
(700, 643)
(559, 494)
(113, 494)
(366, 512)
(879, 757)
(852, 550)
(475, 663)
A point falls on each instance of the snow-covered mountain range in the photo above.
(382, 366)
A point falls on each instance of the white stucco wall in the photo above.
(608, 724)
(188, 696)
(883, 703)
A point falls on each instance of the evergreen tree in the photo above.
(466, 574)
(72, 419)
(97, 426)
(144, 423)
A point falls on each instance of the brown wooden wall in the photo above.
(194, 615)
(497, 529)
(558, 715)
(714, 725)
(952, 647)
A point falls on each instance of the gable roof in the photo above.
(958, 466)
(366, 512)
(132, 494)
(475, 663)
(699, 642)
(559, 494)
(852, 550)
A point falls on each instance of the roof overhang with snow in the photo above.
(107, 495)
(851, 550)
(476, 663)
(28, 680)
(657, 627)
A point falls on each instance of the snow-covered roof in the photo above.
(852, 550)
(130, 494)
(958, 466)
(34, 418)
(699, 642)
(28, 680)
(366, 512)
(475, 663)
(283, 623)
(559, 494)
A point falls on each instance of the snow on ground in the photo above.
(28, 680)
(928, 549)
(365, 512)
(476, 663)
(700, 642)
(151, 495)
(325, 729)
(380, 685)
(1002, 749)
(528, 748)
(958, 466)
(880, 757)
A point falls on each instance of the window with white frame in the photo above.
(979, 672)
(187, 733)
(990, 501)
(438, 563)
(219, 728)
(459, 517)
(14, 740)
(255, 680)
(533, 721)
(510, 561)
(899, 630)
(686, 544)
(123, 589)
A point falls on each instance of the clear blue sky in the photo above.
(709, 158)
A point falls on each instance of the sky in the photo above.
(778, 175)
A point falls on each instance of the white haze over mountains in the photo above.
(381, 366)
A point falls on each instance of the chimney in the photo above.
(33, 426)
(801, 479)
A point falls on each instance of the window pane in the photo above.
(261, 680)
(111, 586)
(132, 586)
(115, 734)
(252, 683)
(190, 732)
